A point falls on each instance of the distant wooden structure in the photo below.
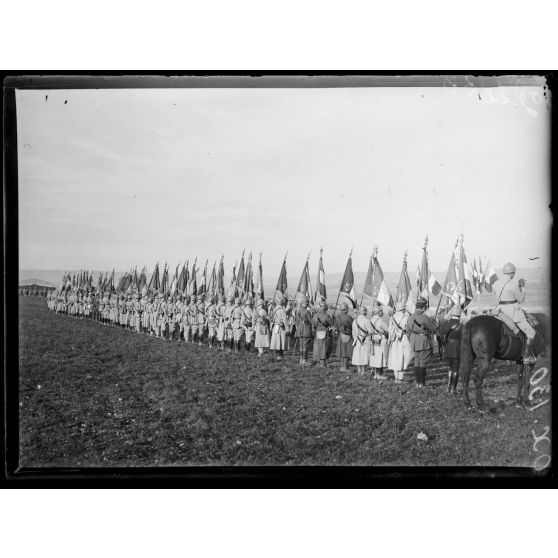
(35, 287)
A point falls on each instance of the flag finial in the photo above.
(405, 256)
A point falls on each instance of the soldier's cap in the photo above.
(323, 304)
(283, 300)
(248, 302)
(400, 306)
(421, 304)
(344, 307)
(363, 310)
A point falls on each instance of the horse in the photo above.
(485, 338)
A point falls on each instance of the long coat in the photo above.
(361, 335)
(322, 322)
(399, 346)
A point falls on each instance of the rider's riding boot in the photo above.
(527, 358)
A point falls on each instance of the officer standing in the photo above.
(420, 329)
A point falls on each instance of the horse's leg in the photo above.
(482, 369)
(455, 376)
(466, 380)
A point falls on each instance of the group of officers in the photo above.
(378, 339)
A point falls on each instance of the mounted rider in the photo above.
(512, 295)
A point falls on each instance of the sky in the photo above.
(117, 178)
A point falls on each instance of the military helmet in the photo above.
(363, 310)
(193, 298)
(344, 307)
(509, 268)
(421, 304)
(400, 306)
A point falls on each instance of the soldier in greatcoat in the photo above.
(378, 343)
(261, 327)
(322, 323)
(399, 355)
(362, 330)
(304, 330)
(280, 323)
(344, 328)
(248, 324)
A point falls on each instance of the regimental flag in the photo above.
(464, 288)
(211, 287)
(185, 279)
(104, 281)
(193, 283)
(232, 287)
(489, 277)
(259, 281)
(347, 287)
(404, 286)
(174, 282)
(480, 276)
(281, 289)
(142, 282)
(375, 285)
(414, 294)
(100, 282)
(450, 285)
(121, 284)
(202, 289)
(111, 282)
(427, 283)
(321, 293)
(221, 278)
(181, 278)
(433, 285)
(304, 289)
(90, 280)
(476, 277)
(240, 276)
(135, 281)
(154, 283)
(165, 281)
(248, 285)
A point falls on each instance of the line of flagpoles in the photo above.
(247, 282)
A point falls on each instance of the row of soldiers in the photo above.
(378, 340)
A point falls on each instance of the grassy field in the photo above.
(94, 395)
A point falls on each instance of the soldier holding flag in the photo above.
(279, 328)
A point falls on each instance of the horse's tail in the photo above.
(467, 356)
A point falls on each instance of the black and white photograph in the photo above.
(283, 271)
